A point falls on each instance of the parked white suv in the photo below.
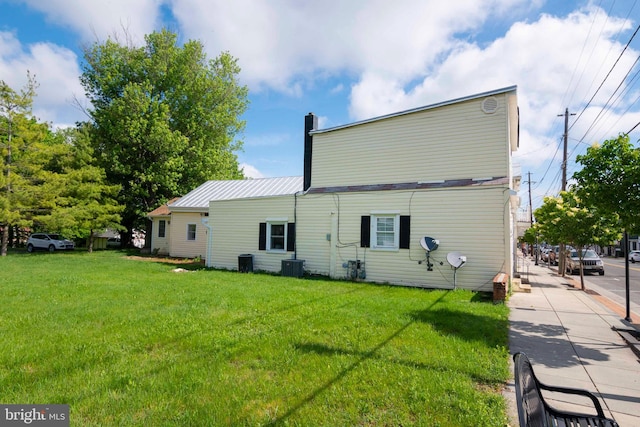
(50, 242)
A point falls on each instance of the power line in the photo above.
(605, 78)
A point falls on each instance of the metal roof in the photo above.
(415, 110)
(199, 198)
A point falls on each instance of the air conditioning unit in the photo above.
(293, 267)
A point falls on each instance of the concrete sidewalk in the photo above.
(571, 339)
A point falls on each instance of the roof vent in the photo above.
(490, 105)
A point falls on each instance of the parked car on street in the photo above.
(634, 256)
(49, 242)
(544, 254)
(591, 262)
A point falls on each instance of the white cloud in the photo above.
(251, 171)
(56, 72)
(101, 19)
(280, 41)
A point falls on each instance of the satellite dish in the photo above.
(429, 244)
(456, 259)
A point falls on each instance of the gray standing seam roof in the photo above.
(200, 197)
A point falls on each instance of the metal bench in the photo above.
(533, 409)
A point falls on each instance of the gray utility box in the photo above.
(293, 267)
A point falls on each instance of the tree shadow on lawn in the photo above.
(467, 326)
(361, 358)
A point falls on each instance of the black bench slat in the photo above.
(533, 409)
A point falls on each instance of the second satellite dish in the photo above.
(456, 259)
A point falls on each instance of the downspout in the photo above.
(295, 221)
(205, 222)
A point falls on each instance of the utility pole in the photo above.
(565, 138)
(564, 179)
(537, 249)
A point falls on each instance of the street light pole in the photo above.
(626, 276)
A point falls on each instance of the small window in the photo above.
(384, 231)
(191, 232)
(162, 227)
(276, 236)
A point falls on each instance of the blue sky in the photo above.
(351, 60)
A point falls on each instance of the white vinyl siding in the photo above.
(236, 231)
(468, 220)
(453, 142)
(181, 246)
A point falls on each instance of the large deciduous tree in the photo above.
(164, 119)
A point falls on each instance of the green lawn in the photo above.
(129, 342)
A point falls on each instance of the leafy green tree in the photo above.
(529, 236)
(567, 219)
(610, 179)
(22, 159)
(84, 204)
(164, 119)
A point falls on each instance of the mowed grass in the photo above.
(128, 342)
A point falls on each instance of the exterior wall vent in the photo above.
(490, 105)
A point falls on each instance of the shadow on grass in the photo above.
(464, 325)
(362, 357)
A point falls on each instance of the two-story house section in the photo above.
(373, 189)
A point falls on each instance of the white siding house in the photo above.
(373, 189)
(180, 228)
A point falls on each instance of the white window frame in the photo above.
(164, 228)
(195, 232)
(277, 221)
(375, 216)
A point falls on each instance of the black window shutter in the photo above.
(405, 231)
(291, 236)
(365, 231)
(262, 238)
